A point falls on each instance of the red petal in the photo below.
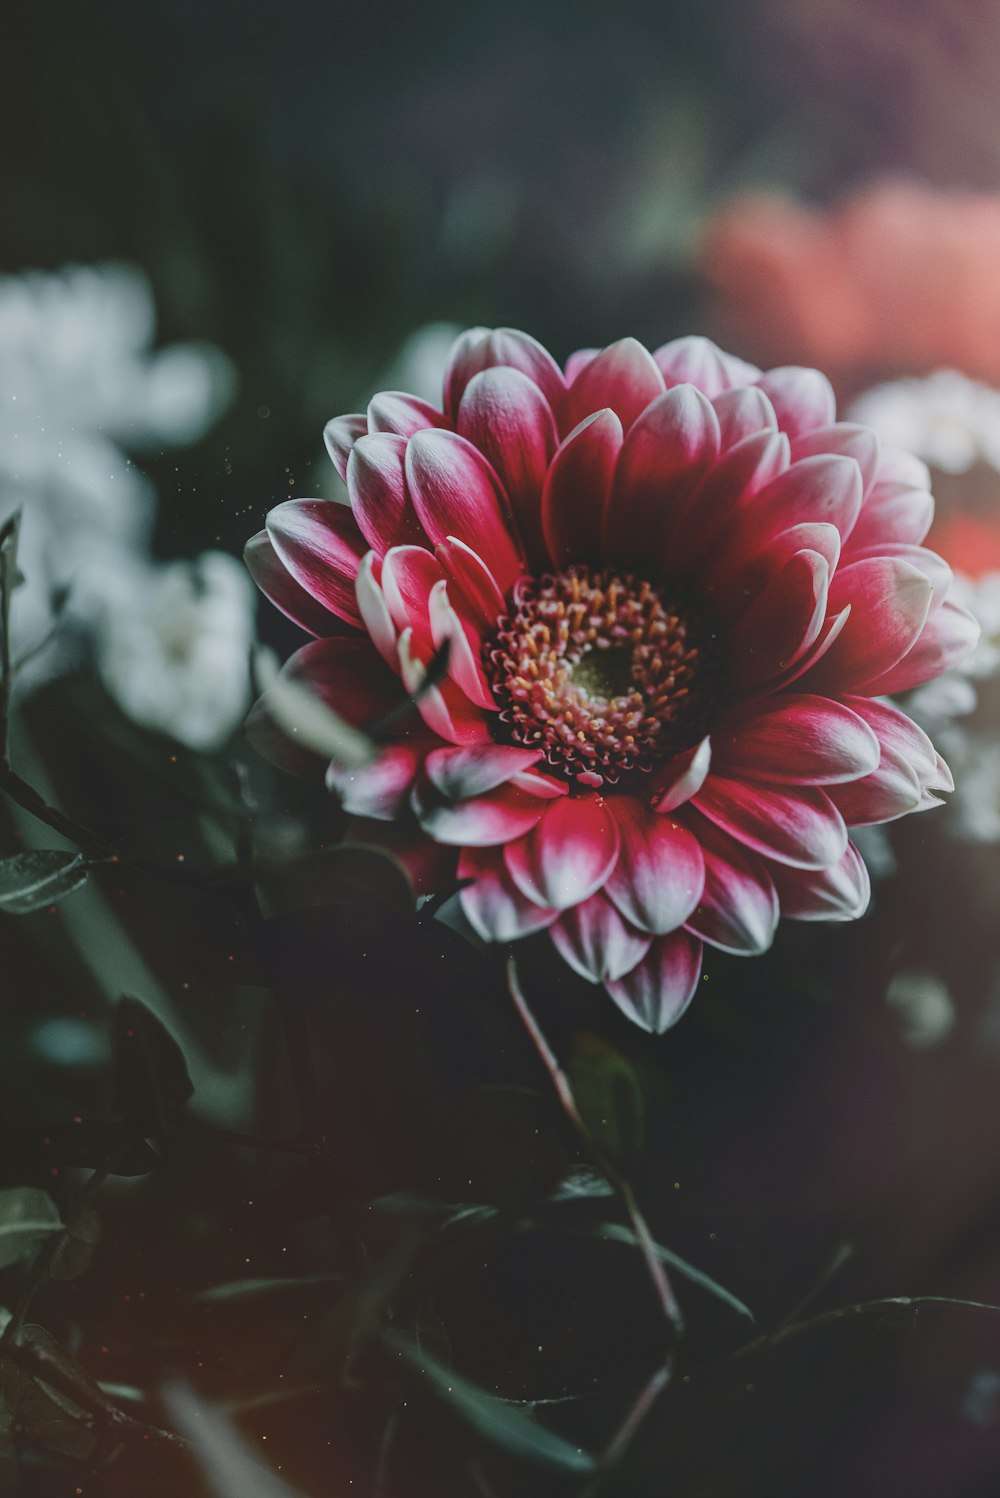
(743, 413)
(893, 512)
(509, 420)
(277, 584)
(444, 708)
(698, 361)
(660, 873)
(892, 791)
(392, 411)
(375, 611)
(473, 579)
(782, 623)
(340, 435)
(934, 568)
(802, 398)
(486, 821)
(846, 439)
(596, 942)
(485, 348)
(738, 911)
(795, 739)
(464, 648)
(408, 575)
(321, 546)
(622, 376)
(680, 778)
(801, 826)
(889, 601)
(900, 734)
(949, 635)
(656, 993)
(569, 856)
(461, 773)
(577, 489)
(494, 907)
(457, 495)
(840, 893)
(706, 525)
(381, 789)
(668, 450)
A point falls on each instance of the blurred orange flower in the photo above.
(898, 277)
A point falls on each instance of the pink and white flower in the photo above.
(675, 593)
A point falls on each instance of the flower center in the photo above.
(601, 670)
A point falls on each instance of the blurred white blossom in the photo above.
(79, 385)
(923, 1006)
(945, 418)
(421, 360)
(173, 647)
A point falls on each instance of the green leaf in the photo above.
(581, 1183)
(617, 1232)
(31, 881)
(76, 1250)
(493, 1418)
(52, 1415)
(27, 1215)
(609, 1093)
(236, 1290)
(150, 1073)
(230, 1466)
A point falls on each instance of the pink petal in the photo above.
(897, 466)
(320, 545)
(392, 411)
(660, 873)
(577, 489)
(277, 584)
(579, 361)
(889, 601)
(681, 777)
(381, 789)
(783, 621)
(486, 821)
(668, 449)
(893, 512)
(473, 579)
(934, 568)
(840, 893)
(340, 435)
(596, 942)
(460, 773)
(890, 791)
(799, 826)
(826, 489)
(457, 495)
(831, 631)
(949, 635)
(374, 610)
(485, 348)
(505, 415)
(743, 413)
(569, 856)
(444, 708)
(904, 737)
(709, 527)
(408, 575)
(541, 784)
(376, 484)
(738, 911)
(795, 739)
(697, 361)
(622, 376)
(657, 991)
(464, 648)
(846, 439)
(802, 398)
(493, 905)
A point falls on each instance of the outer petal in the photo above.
(578, 487)
(482, 822)
(376, 483)
(799, 826)
(802, 398)
(456, 494)
(840, 893)
(934, 567)
(795, 739)
(738, 911)
(320, 545)
(743, 413)
(393, 411)
(505, 415)
(277, 584)
(656, 993)
(460, 773)
(949, 635)
(381, 789)
(907, 739)
(340, 435)
(893, 512)
(494, 906)
(486, 348)
(596, 942)
(845, 439)
(670, 447)
(408, 575)
(569, 855)
(891, 791)
(889, 601)
(825, 488)
(622, 376)
(698, 361)
(660, 874)
(444, 708)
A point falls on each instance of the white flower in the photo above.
(948, 420)
(173, 647)
(78, 383)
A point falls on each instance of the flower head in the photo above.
(673, 591)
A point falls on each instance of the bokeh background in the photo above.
(220, 225)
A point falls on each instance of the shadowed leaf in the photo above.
(27, 1215)
(150, 1074)
(31, 881)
